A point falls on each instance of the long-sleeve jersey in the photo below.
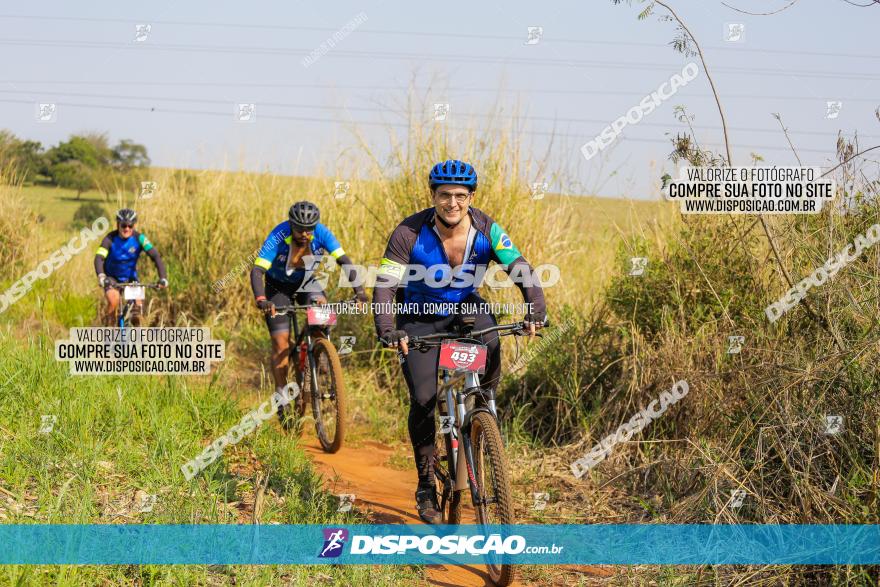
(117, 257)
(274, 257)
(415, 242)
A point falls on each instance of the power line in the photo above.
(366, 31)
(231, 102)
(487, 59)
(447, 91)
(229, 115)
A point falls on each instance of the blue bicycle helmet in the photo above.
(455, 172)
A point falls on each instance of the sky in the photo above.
(178, 88)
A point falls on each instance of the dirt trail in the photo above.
(387, 495)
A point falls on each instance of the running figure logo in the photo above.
(334, 540)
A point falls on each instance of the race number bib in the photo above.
(134, 292)
(321, 316)
(463, 356)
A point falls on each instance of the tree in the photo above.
(77, 148)
(128, 155)
(24, 159)
(73, 174)
(29, 159)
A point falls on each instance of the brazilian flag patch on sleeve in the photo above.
(502, 245)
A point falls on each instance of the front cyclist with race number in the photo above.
(461, 241)
(279, 275)
(116, 261)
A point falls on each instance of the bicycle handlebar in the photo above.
(514, 328)
(123, 285)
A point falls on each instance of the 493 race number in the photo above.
(463, 357)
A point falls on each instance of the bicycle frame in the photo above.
(462, 469)
(127, 306)
(460, 427)
(296, 340)
(298, 336)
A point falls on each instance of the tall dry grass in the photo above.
(16, 229)
(753, 421)
(208, 224)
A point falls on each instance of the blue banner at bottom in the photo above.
(630, 544)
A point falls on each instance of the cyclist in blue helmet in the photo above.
(451, 234)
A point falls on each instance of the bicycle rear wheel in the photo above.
(493, 485)
(328, 396)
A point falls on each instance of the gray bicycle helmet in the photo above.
(304, 215)
(127, 215)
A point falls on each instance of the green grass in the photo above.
(118, 436)
(58, 205)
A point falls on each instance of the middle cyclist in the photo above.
(454, 239)
(282, 260)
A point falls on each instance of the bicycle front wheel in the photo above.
(328, 396)
(444, 472)
(491, 472)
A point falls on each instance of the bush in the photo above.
(704, 276)
(568, 374)
(86, 214)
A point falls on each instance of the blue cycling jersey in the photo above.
(273, 255)
(428, 252)
(416, 243)
(121, 256)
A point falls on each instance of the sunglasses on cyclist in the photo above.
(125, 225)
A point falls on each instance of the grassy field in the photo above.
(119, 440)
(750, 421)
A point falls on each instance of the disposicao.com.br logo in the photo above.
(477, 545)
(334, 540)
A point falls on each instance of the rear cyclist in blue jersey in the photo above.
(280, 278)
(116, 261)
(451, 244)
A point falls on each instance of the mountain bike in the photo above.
(314, 365)
(132, 292)
(471, 453)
